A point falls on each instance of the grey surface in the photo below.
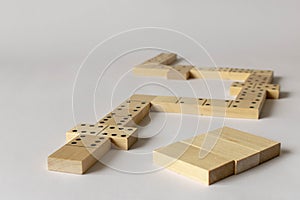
(42, 45)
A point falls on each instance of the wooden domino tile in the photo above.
(163, 58)
(181, 72)
(244, 157)
(215, 107)
(190, 105)
(273, 90)
(142, 97)
(236, 87)
(157, 66)
(84, 128)
(165, 104)
(184, 159)
(152, 69)
(135, 114)
(268, 148)
(76, 156)
(121, 137)
(218, 154)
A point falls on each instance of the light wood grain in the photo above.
(77, 158)
(184, 159)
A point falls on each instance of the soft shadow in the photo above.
(97, 167)
(178, 61)
(276, 79)
(140, 143)
(267, 109)
(284, 94)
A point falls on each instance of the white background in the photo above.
(42, 45)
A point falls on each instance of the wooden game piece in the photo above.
(258, 78)
(185, 160)
(135, 113)
(244, 158)
(272, 90)
(142, 97)
(247, 109)
(84, 128)
(215, 107)
(112, 119)
(209, 73)
(252, 94)
(268, 149)
(180, 72)
(268, 73)
(165, 104)
(152, 69)
(236, 87)
(121, 137)
(239, 74)
(77, 159)
(190, 105)
(163, 58)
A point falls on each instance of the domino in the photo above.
(165, 104)
(122, 137)
(215, 107)
(142, 97)
(215, 155)
(84, 128)
(135, 114)
(258, 78)
(181, 72)
(236, 87)
(252, 94)
(244, 157)
(268, 148)
(152, 69)
(77, 157)
(273, 90)
(244, 109)
(184, 159)
(163, 58)
(191, 105)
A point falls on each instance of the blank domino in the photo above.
(76, 156)
(268, 149)
(184, 159)
(244, 158)
(225, 152)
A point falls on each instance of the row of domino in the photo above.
(86, 143)
(218, 154)
(250, 78)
